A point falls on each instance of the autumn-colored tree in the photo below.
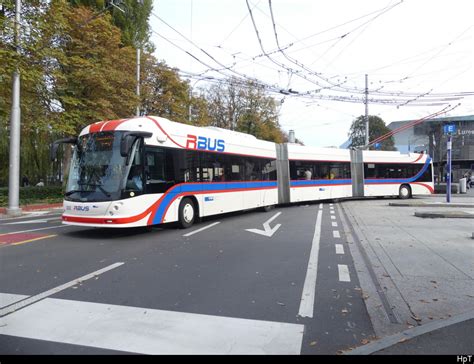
(130, 16)
(377, 128)
(74, 71)
(165, 94)
(244, 107)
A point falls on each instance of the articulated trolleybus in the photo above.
(149, 170)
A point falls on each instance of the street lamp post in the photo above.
(15, 119)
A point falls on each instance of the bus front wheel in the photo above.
(405, 192)
(187, 213)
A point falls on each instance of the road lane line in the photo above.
(334, 223)
(339, 249)
(30, 230)
(202, 229)
(34, 239)
(333, 217)
(332, 212)
(150, 331)
(21, 304)
(35, 221)
(309, 288)
(320, 206)
(343, 273)
(336, 234)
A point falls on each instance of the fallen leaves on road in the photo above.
(312, 343)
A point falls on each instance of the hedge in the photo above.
(34, 194)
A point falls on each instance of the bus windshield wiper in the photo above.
(68, 193)
(95, 185)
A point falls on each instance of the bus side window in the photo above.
(159, 170)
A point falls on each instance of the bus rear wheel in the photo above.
(187, 213)
(404, 192)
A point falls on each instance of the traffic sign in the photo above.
(449, 129)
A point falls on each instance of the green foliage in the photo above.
(76, 61)
(29, 195)
(377, 128)
(132, 20)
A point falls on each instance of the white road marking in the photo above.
(268, 231)
(320, 206)
(307, 298)
(201, 229)
(33, 221)
(150, 331)
(6, 299)
(336, 234)
(333, 217)
(343, 273)
(28, 301)
(332, 212)
(334, 223)
(45, 228)
(331, 204)
(339, 249)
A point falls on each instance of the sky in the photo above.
(417, 54)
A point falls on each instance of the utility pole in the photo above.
(138, 44)
(138, 79)
(366, 110)
(15, 118)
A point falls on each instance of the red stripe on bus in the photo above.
(164, 132)
(95, 128)
(112, 125)
(424, 185)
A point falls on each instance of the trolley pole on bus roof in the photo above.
(15, 119)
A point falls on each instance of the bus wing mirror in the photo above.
(54, 147)
(128, 138)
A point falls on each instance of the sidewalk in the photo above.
(461, 206)
(416, 274)
(451, 337)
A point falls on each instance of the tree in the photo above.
(164, 94)
(377, 128)
(74, 71)
(132, 20)
(244, 107)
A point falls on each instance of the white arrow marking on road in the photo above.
(266, 225)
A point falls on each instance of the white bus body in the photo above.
(187, 172)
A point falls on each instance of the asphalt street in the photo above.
(214, 288)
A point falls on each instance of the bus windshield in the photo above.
(97, 170)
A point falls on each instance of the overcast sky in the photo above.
(408, 48)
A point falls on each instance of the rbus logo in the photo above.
(202, 143)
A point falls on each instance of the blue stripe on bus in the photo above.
(400, 180)
(205, 188)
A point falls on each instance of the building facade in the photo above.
(429, 137)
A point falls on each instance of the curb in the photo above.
(431, 204)
(445, 214)
(406, 335)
